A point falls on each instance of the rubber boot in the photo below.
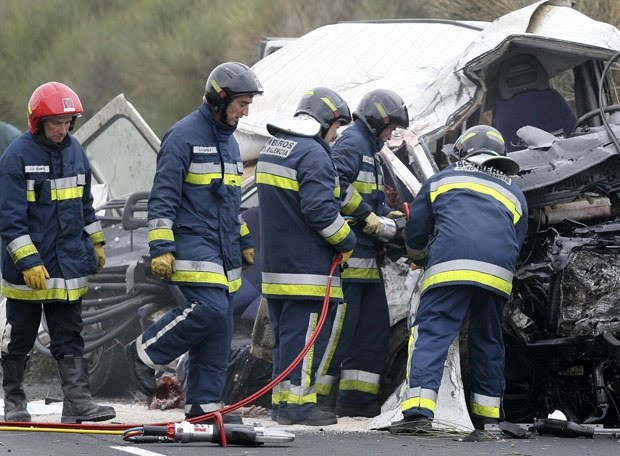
(15, 401)
(78, 404)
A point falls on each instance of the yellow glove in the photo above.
(100, 253)
(345, 256)
(163, 266)
(35, 277)
(248, 255)
(372, 224)
(395, 214)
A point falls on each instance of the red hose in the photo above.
(268, 387)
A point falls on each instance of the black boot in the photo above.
(15, 401)
(78, 404)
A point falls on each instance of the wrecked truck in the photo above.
(536, 74)
(546, 77)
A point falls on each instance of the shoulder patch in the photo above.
(279, 147)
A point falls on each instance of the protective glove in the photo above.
(100, 253)
(248, 255)
(395, 214)
(163, 266)
(345, 256)
(372, 224)
(35, 277)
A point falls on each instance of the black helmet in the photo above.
(229, 80)
(380, 108)
(484, 146)
(325, 106)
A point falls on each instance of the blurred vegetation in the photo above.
(160, 52)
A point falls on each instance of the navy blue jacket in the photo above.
(301, 226)
(47, 217)
(477, 217)
(193, 209)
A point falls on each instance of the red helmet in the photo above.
(52, 99)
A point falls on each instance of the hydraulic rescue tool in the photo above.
(232, 434)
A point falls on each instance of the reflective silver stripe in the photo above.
(205, 408)
(75, 284)
(201, 266)
(301, 391)
(233, 274)
(473, 265)
(18, 243)
(241, 221)
(64, 182)
(171, 324)
(474, 180)
(93, 228)
(422, 392)
(362, 263)
(278, 170)
(366, 177)
(299, 279)
(81, 179)
(55, 283)
(348, 195)
(208, 168)
(332, 346)
(30, 185)
(333, 227)
(487, 401)
(160, 223)
(366, 377)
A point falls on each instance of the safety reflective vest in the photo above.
(479, 220)
(47, 217)
(194, 203)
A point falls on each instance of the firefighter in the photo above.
(477, 216)
(198, 240)
(52, 241)
(363, 320)
(302, 231)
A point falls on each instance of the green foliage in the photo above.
(160, 52)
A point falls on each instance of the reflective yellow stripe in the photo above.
(244, 230)
(359, 385)
(234, 285)
(61, 194)
(358, 273)
(516, 216)
(30, 196)
(233, 180)
(161, 234)
(49, 294)
(300, 290)
(339, 235)
(277, 181)
(418, 402)
(467, 276)
(353, 203)
(484, 410)
(97, 237)
(296, 399)
(199, 277)
(23, 252)
(365, 187)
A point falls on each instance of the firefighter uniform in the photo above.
(478, 217)
(362, 321)
(194, 213)
(47, 219)
(301, 232)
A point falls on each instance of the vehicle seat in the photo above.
(525, 98)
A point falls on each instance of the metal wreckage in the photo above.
(545, 77)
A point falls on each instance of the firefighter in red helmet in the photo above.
(54, 242)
